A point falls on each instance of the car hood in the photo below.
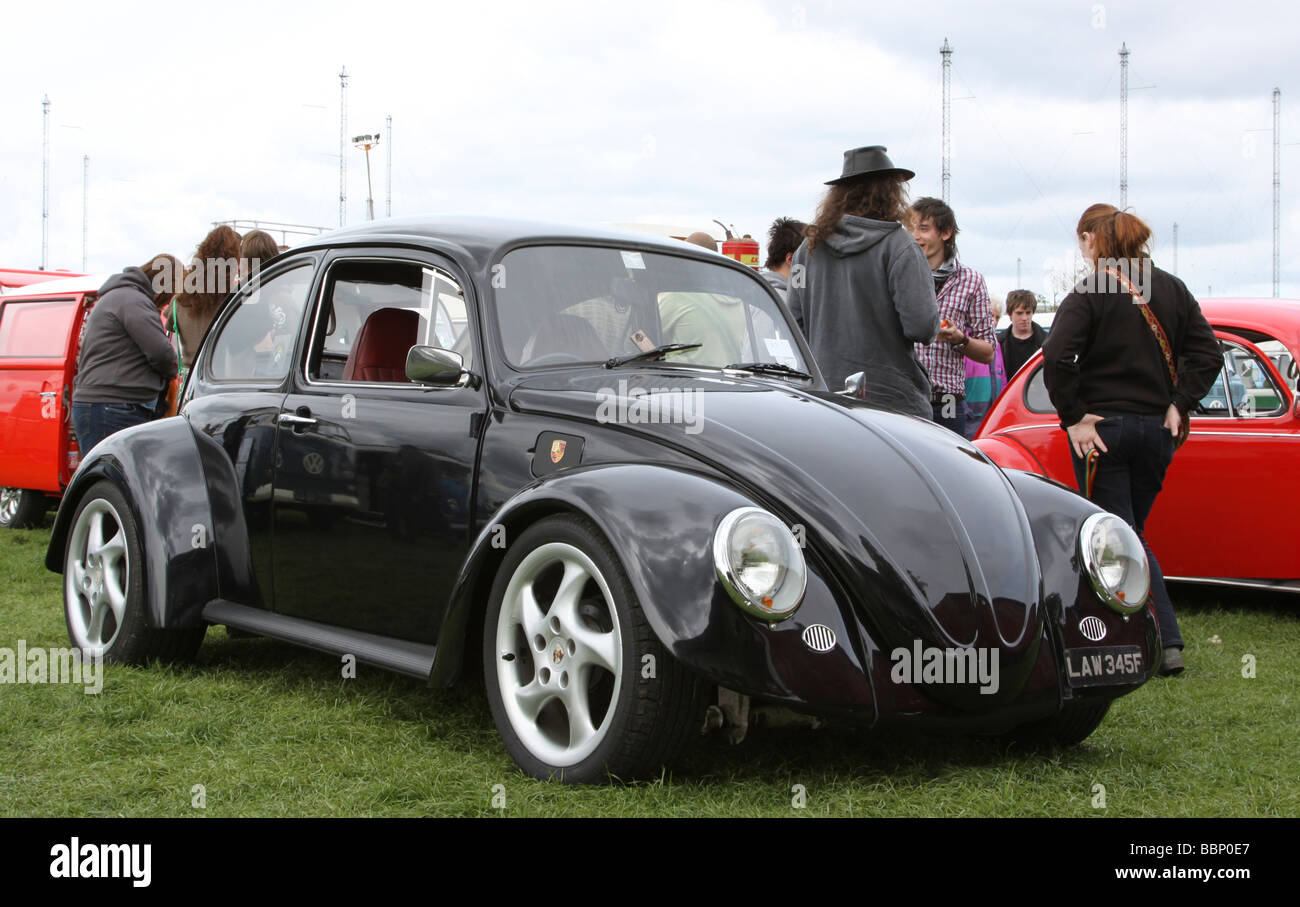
(927, 535)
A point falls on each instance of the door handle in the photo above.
(296, 421)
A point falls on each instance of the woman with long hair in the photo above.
(212, 275)
(1129, 355)
(860, 287)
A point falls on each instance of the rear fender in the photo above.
(169, 478)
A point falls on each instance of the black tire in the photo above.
(1072, 725)
(637, 722)
(21, 508)
(103, 560)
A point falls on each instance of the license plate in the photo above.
(1104, 665)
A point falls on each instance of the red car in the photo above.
(40, 336)
(1227, 511)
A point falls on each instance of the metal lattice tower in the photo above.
(45, 183)
(388, 189)
(343, 140)
(1175, 248)
(946, 53)
(1123, 125)
(1277, 190)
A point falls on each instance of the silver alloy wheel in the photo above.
(9, 500)
(553, 656)
(95, 577)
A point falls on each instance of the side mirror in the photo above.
(435, 367)
(855, 386)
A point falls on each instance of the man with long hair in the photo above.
(860, 288)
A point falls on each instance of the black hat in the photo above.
(871, 159)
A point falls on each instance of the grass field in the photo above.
(270, 730)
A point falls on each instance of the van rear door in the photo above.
(38, 346)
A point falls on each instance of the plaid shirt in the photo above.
(964, 304)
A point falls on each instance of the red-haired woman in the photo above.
(1129, 355)
(211, 276)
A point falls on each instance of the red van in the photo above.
(40, 336)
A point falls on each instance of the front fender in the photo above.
(160, 469)
(661, 523)
(1056, 515)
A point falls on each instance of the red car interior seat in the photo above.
(382, 345)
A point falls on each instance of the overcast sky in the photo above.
(656, 112)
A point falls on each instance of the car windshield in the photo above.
(565, 304)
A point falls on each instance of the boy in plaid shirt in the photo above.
(966, 327)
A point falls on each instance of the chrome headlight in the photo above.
(760, 564)
(1116, 562)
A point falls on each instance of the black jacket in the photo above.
(1102, 355)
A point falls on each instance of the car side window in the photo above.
(1217, 402)
(1036, 398)
(374, 310)
(256, 341)
(1254, 392)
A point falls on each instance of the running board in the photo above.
(1271, 585)
(410, 658)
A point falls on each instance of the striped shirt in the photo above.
(964, 304)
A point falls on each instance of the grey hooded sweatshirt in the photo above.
(125, 356)
(865, 297)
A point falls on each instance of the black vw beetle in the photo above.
(607, 464)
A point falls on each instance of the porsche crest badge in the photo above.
(557, 450)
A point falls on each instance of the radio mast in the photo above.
(946, 53)
(1123, 126)
(343, 143)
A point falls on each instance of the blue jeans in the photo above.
(1129, 476)
(93, 422)
(950, 413)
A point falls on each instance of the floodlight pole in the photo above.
(365, 143)
(388, 181)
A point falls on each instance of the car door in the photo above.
(236, 390)
(1222, 511)
(374, 474)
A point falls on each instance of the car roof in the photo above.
(479, 238)
(88, 283)
(13, 278)
(1276, 317)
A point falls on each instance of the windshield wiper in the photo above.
(657, 353)
(776, 368)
